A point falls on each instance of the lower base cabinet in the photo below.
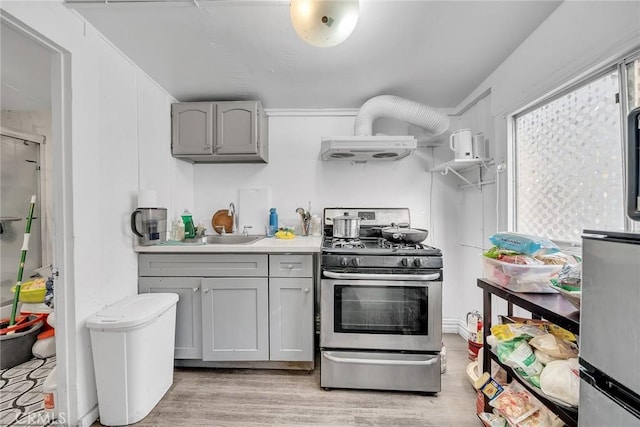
(188, 311)
(237, 319)
(291, 319)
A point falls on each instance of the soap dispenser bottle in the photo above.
(178, 230)
(189, 229)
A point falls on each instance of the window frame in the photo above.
(569, 86)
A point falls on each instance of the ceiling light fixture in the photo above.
(324, 23)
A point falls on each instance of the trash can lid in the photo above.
(133, 311)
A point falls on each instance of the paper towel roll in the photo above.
(147, 199)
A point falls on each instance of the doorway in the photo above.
(34, 73)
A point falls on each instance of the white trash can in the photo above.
(133, 342)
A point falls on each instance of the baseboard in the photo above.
(455, 326)
(89, 418)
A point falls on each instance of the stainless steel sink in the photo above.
(232, 239)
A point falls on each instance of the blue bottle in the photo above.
(273, 221)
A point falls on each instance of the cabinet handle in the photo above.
(306, 290)
(206, 290)
(195, 290)
(290, 266)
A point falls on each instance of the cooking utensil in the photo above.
(346, 226)
(221, 220)
(401, 233)
(305, 218)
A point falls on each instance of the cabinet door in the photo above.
(291, 319)
(192, 129)
(188, 311)
(235, 318)
(237, 128)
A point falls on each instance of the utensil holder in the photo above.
(305, 227)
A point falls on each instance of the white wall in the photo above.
(475, 211)
(118, 141)
(296, 175)
(577, 37)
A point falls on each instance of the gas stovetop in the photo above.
(376, 246)
(369, 240)
(370, 250)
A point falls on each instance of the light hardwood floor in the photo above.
(243, 397)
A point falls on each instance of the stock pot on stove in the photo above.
(346, 226)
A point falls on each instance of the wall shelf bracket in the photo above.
(448, 169)
(462, 164)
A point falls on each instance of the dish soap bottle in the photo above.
(189, 229)
(273, 219)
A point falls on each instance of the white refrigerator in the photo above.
(610, 330)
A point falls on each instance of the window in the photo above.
(569, 161)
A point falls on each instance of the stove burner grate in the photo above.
(347, 243)
(384, 243)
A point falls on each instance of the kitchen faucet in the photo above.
(232, 213)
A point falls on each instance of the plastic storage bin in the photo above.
(521, 277)
(133, 343)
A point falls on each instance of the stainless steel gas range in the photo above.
(380, 307)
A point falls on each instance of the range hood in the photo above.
(365, 148)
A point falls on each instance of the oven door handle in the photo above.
(432, 360)
(381, 276)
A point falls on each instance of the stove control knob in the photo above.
(344, 262)
(405, 262)
(356, 262)
(418, 262)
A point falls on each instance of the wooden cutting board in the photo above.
(222, 219)
(253, 209)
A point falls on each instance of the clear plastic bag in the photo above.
(524, 243)
(516, 403)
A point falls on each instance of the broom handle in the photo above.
(23, 257)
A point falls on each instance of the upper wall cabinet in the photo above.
(217, 132)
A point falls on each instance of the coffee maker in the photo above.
(149, 223)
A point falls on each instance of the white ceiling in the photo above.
(434, 52)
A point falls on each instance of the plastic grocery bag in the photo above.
(524, 243)
(553, 346)
(561, 379)
(518, 354)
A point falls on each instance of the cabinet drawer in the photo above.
(290, 266)
(203, 265)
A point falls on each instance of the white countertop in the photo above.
(299, 244)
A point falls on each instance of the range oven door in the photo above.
(397, 315)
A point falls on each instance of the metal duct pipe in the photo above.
(402, 109)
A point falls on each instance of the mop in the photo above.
(23, 257)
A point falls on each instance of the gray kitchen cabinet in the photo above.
(237, 307)
(291, 300)
(192, 129)
(217, 132)
(235, 318)
(188, 341)
(203, 265)
(291, 319)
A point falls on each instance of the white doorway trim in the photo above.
(62, 257)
